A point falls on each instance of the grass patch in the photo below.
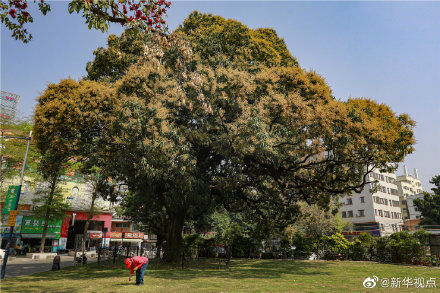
(243, 276)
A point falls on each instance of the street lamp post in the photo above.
(11, 231)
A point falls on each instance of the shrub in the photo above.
(334, 246)
(242, 246)
(285, 247)
(206, 247)
(190, 245)
(268, 255)
(303, 246)
(405, 247)
(361, 247)
(380, 249)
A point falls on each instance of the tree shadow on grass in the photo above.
(244, 269)
(16, 288)
(209, 268)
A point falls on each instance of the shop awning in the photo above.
(48, 235)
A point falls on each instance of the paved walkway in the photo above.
(21, 266)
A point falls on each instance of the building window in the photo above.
(344, 214)
(386, 214)
(362, 199)
(350, 214)
(380, 213)
(375, 212)
(361, 213)
(349, 201)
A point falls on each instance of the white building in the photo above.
(408, 185)
(377, 208)
(413, 211)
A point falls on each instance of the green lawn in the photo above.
(243, 276)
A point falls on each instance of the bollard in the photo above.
(183, 260)
(114, 254)
(99, 254)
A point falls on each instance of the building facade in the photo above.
(413, 212)
(376, 209)
(8, 105)
(408, 185)
(104, 226)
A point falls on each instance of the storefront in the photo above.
(126, 238)
(32, 233)
(73, 226)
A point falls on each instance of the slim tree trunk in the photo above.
(89, 217)
(53, 184)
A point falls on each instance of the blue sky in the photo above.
(387, 51)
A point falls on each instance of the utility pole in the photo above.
(11, 231)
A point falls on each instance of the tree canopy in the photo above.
(13, 150)
(220, 114)
(97, 13)
(429, 206)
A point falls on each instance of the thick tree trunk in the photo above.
(89, 217)
(159, 242)
(53, 185)
(174, 238)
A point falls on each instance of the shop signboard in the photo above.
(35, 226)
(116, 235)
(11, 197)
(94, 234)
(12, 218)
(17, 227)
(133, 235)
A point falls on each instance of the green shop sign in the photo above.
(35, 226)
(11, 198)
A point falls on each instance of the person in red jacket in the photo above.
(138, 264)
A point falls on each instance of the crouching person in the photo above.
(56, 263)
(138, 264)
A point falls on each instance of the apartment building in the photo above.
(408, 185)
(413, 212)
(376, 209)
(413, 221)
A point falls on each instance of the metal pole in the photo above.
(11, 230)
